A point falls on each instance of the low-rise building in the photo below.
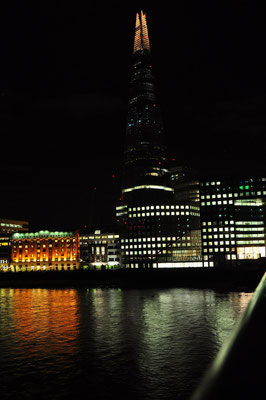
(44, 250)
(100, 249)
(7, 228)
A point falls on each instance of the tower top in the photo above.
(141, 41)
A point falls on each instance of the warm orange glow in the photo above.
(30, 252)
(146, 42)
(141, 40)
(46, 315)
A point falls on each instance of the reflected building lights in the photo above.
(45, 315)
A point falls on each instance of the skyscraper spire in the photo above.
(152, 233)
(145, 154)
(141, 41)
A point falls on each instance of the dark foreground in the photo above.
(238, 372)
(217, 278)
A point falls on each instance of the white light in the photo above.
(148, 187)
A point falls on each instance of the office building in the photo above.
(156, 230)
(99, 250)
(7, 228)
(232, 219)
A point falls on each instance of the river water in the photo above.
(111, 343)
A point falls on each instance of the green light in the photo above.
(247, 187)
(241, 187)
(32, 235)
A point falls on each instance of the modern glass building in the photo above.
(160, 236)
(232, 219)
(146, 173)
(155, 229)
(232, 213)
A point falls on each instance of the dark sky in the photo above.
(64, 87)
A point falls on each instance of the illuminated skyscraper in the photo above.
(155, 231)
(182, 219)
(146, 175)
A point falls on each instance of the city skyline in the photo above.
(71, 79)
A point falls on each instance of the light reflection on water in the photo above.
(139, 344)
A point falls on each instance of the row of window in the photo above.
(164, 207)
(38, 246)
(157, 245)
(233, 243)
(231, 222)
(218, 229)
(145, 252)
(151, 239)
(218, 183)
(256, 201)
(221, 202)
(219, 249)
(11, 225)
(162, 213)
(39, 241)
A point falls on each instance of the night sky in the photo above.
(64, 90)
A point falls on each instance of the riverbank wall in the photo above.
(229, 278)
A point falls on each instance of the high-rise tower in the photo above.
(154, 230)
(146, 175)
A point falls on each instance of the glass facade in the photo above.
(172, 217)
(232, 219)
(155, 230)
(145, 156)
(160, 235)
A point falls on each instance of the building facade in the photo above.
(146, 173)
(99, 250)
(161, 236)
(7, 228)
(10, 226)
(44, 251)
(232, 219)
(156, 231)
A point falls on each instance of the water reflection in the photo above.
(139, 344)
(44, 316)
(39, 329)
